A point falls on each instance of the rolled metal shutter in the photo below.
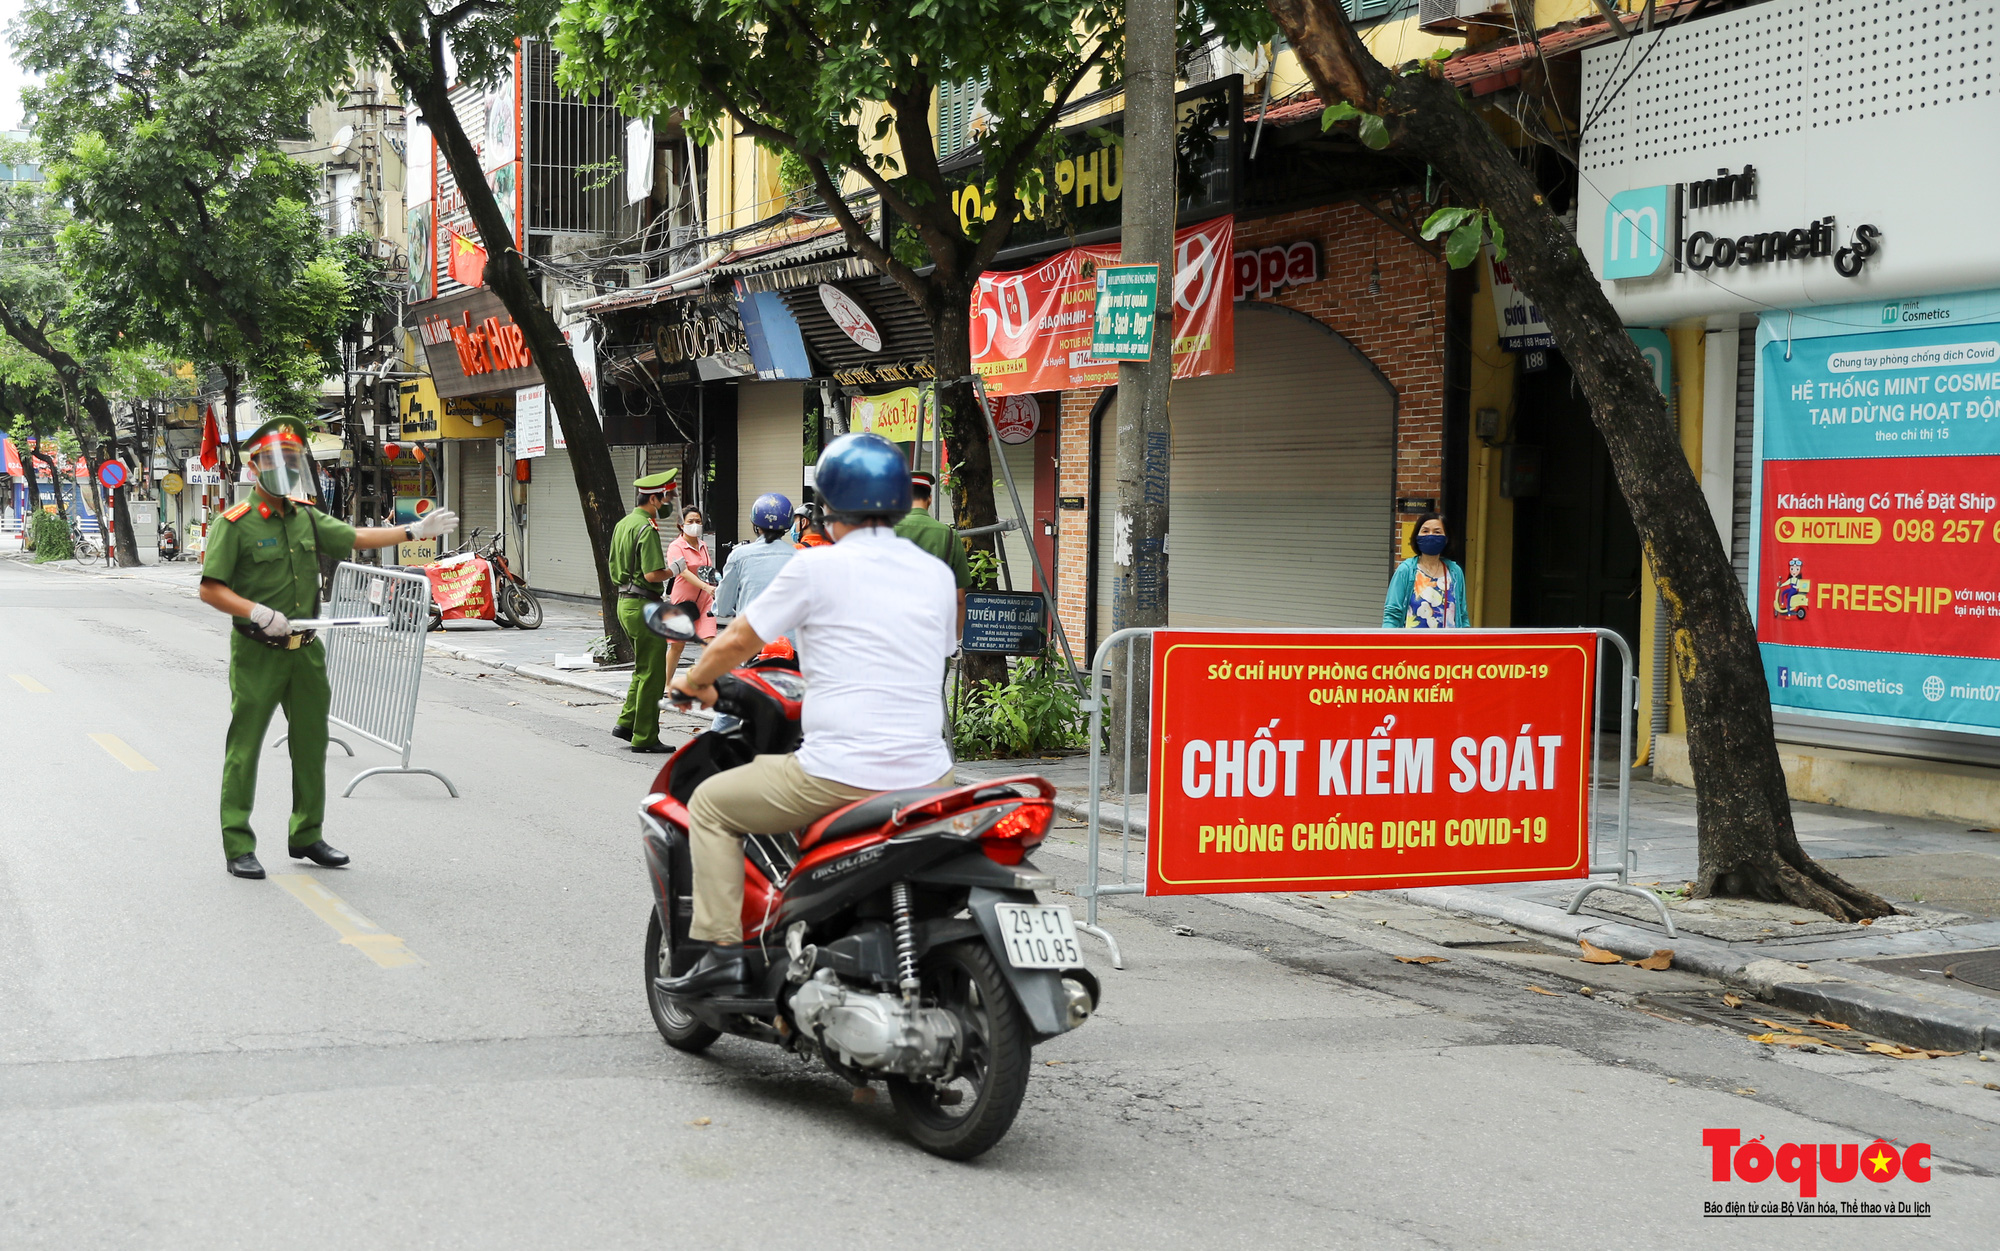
(558, 547)
(1021, 461)
(478, 500)
(770, 444)
(1283, 483)
(1746, 421)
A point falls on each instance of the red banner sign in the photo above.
(1031, 327)
(1868, 555)
(462, 589)
(1368, 760)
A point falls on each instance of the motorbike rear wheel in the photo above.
(992, 1077)
(680, 1028)
(518, 602)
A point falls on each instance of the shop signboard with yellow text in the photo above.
(1366, 760)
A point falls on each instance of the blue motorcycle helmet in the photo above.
(861, 477)
(771, 514)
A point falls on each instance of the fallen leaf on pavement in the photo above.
(1585, 990)
(1551, 994)
(1421, 960)
(1595, 954)
(1802, 923)
(1993, 1085)
(1732, 1001)
(1786, 1040)
(1789, 1029)
(1901, 1052)
(699, 1120)
(1053, 1063)
(1660, 959)
(1822, 1021)
(1746, 1090)
(1338, 894)
(1868, 920)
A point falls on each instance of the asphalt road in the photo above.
(190, 1060)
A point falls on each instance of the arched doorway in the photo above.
(1282, 485)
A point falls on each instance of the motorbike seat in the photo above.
(865, 814)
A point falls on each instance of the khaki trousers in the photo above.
(770, 795)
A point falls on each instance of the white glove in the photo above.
(271, 623)
(434, 523)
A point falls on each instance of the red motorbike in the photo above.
(901, 937)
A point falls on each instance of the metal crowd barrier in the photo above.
(1098, 691)
(375, 670)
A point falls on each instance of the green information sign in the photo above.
(1127, 298)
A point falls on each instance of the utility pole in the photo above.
(1145, 440)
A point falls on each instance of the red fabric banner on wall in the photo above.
(1031, 327)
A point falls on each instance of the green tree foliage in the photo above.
(190, 228)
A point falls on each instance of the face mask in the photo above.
(1431, 544)
(692, 529)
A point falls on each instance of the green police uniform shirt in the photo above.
(939, 540)
(635, 552)
(270, 555)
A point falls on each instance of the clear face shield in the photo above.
(283, 467)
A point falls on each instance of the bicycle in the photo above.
(82, 542)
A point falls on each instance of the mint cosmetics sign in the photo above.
(1647, 227)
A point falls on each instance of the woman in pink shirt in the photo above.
(689, 558)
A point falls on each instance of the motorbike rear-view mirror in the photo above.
(670, 621)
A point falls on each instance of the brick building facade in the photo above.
(1377, 290)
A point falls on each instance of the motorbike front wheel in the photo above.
(518, 602)
(681, 1029)
(992, 1076)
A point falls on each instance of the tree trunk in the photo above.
(968, 452)
(55, 484)
(1748, 845)
(597, 487)
(76, 385)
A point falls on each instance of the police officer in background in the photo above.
(935, 537)
(638, 567)
(752, 565)
(262, 568)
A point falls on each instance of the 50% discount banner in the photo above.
(1368, 761)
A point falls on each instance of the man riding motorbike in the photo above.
(874, 617)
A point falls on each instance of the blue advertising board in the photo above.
(1875, 577)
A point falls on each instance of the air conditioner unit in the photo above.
(1454, 15)
(623, 277)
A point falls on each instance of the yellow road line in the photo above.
(355, 930)
(29, 684)
(123, 753)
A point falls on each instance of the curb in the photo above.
(1940, 1018)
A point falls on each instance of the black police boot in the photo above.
(246, 865)
(622, 731)
(651, 749)
(720, 969)
(322, 853)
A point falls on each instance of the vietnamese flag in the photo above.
(211, 440)
(467, 264)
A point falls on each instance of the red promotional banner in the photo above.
(462, 589)
(1869, 555)
(1031, 327)
(1368, 760)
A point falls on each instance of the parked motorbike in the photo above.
(170, 544)
(902, 939)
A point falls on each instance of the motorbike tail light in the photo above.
(1018, 833)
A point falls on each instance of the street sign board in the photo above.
(1127, 298)
(112, 474)
(173, 484)
(1006, 623)
(1368, 760)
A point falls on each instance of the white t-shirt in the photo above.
(872, 617)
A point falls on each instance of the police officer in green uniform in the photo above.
(262, 568)
(638, 567)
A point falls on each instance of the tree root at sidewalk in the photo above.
(1768, 874)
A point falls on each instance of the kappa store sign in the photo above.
(1368, 760)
